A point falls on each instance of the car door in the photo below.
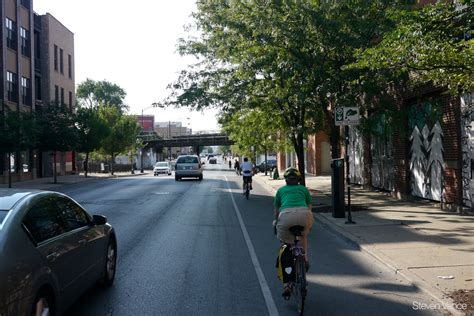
(91, 239)
(54, 242)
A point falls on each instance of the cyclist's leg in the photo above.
(294, 216)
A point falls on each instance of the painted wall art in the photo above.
(356, 155)
(467, 142)
(426, 152)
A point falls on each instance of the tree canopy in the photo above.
(94, 94)
(433, 44)
(123, 132)
(282, 57)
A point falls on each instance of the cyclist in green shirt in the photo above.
(293, 207)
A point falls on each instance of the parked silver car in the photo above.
(188, 166)
(51, 251)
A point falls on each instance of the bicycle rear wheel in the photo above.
(247, 191)
(300, 284)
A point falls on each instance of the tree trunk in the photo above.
(112, 165)
(54, 168)
(9, 170)
(299, 149)
(266, 163)
(335, 135)
(86, 164)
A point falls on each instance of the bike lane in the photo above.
(341, 281)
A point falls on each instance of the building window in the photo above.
(69, 66)
(11, 33)
(37, 42)
(38, 88)
(56, 94)
(26, 91)
(70, 99)
(56, 58)
(62, 96)
(25, 3)
(61, 61)
(25, 42)
(12, 86)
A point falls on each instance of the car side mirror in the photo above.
(99, 219)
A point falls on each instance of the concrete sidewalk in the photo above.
(47, 183)
(431, 248)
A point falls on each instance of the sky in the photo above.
(131, 44)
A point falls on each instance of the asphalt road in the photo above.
(199, 248)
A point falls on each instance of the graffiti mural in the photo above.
(426, 152)
(467, 142)
(356, 155)
(382, 162)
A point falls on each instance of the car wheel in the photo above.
(200, 177)
(110, 263)
(43, 303)
(176, 178)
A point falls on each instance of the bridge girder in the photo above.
(191, 140)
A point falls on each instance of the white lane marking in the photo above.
(267, 295)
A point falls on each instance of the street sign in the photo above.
(339, 116)
(346, 116)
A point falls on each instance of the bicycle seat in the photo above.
(296, 230)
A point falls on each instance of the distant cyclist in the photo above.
(293, 207)
(247, 172)
(237, 166)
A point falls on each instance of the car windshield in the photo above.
(3, 214)
(189, 159)
(161, 164)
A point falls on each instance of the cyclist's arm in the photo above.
(276, 212)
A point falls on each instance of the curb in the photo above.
(49, 186)
(426, 287)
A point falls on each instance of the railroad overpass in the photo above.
(197, 141)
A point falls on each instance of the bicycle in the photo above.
(298, 285)
(247, 188)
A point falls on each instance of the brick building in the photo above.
(37, 63)
(429, 157)
(17, 64)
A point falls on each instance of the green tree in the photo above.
(94, 94)
(123, 133)
(92, 129)
(432, 44)
(254, 129)
(283, 57)
(17, 133)
(57, 130)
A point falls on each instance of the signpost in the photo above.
(345, 116)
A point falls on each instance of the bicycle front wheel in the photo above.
(300, 284)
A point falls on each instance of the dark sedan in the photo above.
(271, 164)
(51, 251)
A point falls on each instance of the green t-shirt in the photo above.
(292, 196)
